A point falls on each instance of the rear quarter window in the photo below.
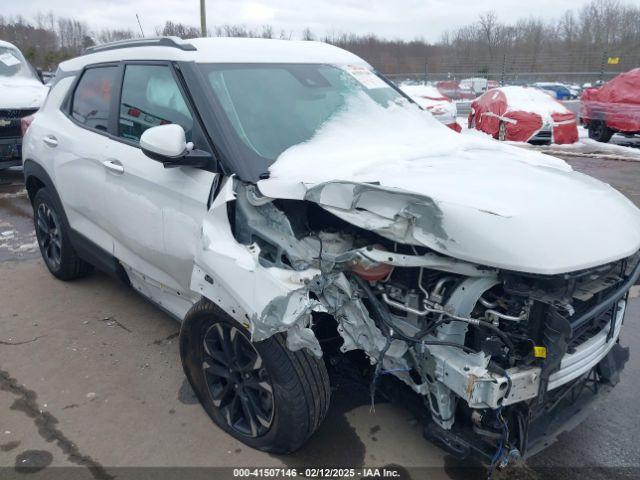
(92, 97)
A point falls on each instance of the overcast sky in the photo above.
(405, 19)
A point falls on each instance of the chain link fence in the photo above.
(570, 66)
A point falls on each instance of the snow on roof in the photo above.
(7, 44)
(531, 100)
(549, 84)
(227, 50)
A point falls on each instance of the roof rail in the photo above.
(173, 42)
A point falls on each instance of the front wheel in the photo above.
(261, 393)
(599, 131)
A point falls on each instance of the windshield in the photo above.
(272, 107)
(13, 64)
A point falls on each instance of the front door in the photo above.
(155, 213)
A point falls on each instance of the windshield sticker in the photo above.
(9, 59)
(365, 77)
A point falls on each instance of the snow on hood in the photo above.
(20, 92)
(431, 99)
(532, 100)
(423, 91)
(404, 147)
(500, 205)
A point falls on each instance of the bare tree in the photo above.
(267, 31)
(307, 34)
(490, 31)
(579, 40)
(107, 35)
(177, 29)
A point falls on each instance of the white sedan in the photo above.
(438, 104)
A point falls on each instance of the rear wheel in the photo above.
(502, 131)
(261, 393)
(599, 131)
(53, 239)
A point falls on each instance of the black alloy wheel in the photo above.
(52, 232)
(237, 381)
(49, 235)
(260, 392)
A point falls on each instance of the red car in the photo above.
(452, 89)
(523, 114)
(612, 108)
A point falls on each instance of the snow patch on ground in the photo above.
(618, 148)
(587, 146)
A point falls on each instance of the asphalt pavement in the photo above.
(90, 378)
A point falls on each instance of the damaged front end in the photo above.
(496, 355)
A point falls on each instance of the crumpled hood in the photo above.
(18, 93)
(467, 197)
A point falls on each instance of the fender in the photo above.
(35, 178)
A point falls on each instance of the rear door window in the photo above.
(151, 97)
(92, 97)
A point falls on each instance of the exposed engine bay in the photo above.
(490, 351)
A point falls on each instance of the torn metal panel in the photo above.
(265, 300)
(501, 222)
(389, 212)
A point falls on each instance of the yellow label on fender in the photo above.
(540, 352)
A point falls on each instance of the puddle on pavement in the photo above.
(336, 443)
(7, 447)
(32, 461)
(17, 236)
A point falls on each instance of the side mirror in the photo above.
(167, 144)
(39, 74)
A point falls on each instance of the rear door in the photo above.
(76, 141)
(155, 213)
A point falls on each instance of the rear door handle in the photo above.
(50, 140)
(114, 165)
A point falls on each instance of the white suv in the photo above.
(21, 94)
(289, 206)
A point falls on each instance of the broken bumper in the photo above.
(572, 405)
(562, 411)
(482, 389)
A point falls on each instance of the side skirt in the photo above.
(174, 303)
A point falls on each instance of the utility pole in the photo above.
(605, 55)
(203, 18)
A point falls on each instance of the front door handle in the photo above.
(50, 140)
(114, 165)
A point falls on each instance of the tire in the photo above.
(288, 391)
(53, 239)
(599, 131)
(502, 131)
